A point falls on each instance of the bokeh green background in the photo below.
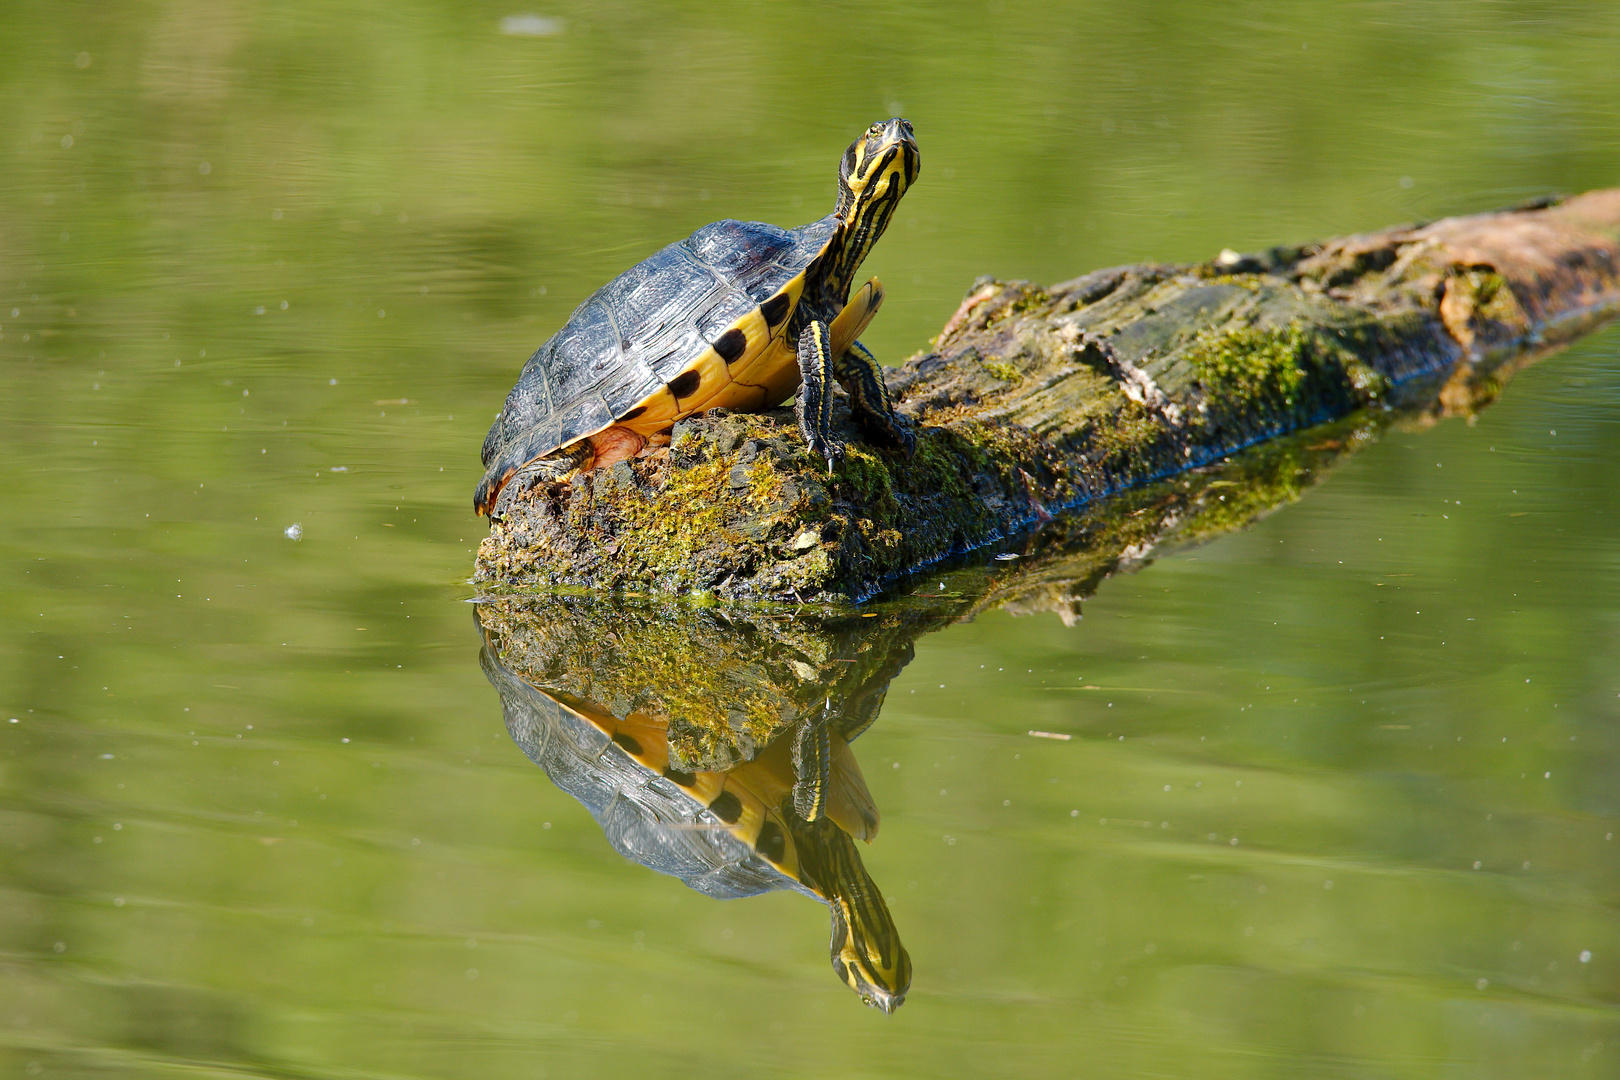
(1344, 806)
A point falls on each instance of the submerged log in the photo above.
(1035, 401)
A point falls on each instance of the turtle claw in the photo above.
(828, 447)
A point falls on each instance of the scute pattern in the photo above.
(629, 805)
(645, 329)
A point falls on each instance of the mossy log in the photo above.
(1035, 401)
(727, 679)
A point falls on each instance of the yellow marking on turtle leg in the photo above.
(829, 782)
(813, 405)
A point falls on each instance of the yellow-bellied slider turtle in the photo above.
(726, 834)
(736, 315)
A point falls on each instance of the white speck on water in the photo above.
(1586, 956)
(1480, 984)
(295, 531)
(529, 25)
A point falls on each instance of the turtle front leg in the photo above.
(812, 406)
(862, 376)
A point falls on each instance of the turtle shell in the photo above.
(717, 832)
(700, 324)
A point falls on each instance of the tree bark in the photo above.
(1035, 401)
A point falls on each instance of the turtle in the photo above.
(732, 833)
(737, 315)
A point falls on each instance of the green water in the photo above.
(1342, 803)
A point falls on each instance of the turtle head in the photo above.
(877, 168)
(866, 951)
(875, 171)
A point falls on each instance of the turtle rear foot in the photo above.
(501, 486)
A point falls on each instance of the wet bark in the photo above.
(1038, 400)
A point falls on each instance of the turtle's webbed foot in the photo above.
(892, 432)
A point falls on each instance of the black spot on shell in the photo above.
(776, 308)
(685, 779)
(685, 383)
(772, 841)
(727, 807)
(731, 345)
(633, 413)
(630, 745)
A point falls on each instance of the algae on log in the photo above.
(1039, 400)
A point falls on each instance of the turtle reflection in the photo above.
(712, 743)
(771, 797)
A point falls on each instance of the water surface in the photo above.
(1342, 787)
